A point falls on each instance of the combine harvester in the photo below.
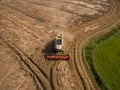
(59, 52)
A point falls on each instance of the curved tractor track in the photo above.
(106, 23)
(30, 64)
(38, 26)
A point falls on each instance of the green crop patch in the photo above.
(103, 57)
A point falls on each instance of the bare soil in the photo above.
(27, 30)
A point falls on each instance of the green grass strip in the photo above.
(92, 54)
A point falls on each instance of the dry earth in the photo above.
(27, 29)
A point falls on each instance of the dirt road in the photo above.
(27, 28)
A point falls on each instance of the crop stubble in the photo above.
(28, 37)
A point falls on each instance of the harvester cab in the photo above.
(59, 52)
(58, 44)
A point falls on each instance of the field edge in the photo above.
(87, 54)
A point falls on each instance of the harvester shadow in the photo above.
(49, 48)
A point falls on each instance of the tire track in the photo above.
(79, 4)
(21, 84)
(79, 63)
(77, 60)
(54, 7)
(65, 9)
(46, 20)
(9, 72)
(51, 78)
(26, 27)
(30, 16)
(82, 71)
(28, 62)
(16, 23)
(88, 82)
(39, 19)
(99, 20)
(60, 8)
(73, 55)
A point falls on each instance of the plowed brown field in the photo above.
(27, 30)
